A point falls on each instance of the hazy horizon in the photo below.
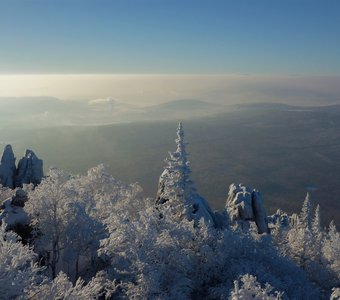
(151, 89)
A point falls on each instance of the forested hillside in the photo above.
(94, 237)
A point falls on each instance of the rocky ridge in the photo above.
(29, 169)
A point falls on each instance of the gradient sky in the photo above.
(170, 36)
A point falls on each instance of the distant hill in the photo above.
(30, 104)
(185, 104)
(268, 106)
(182, 109)
(282, 106)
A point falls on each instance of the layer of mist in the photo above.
(284, 151)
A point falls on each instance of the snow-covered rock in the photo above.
(335, 294)
(19, 198)
(259, 211)
(244, 204)
(13, 215)
(30, 169)
(7, 168)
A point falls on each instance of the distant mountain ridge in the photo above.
(185, 104)
(37, 112)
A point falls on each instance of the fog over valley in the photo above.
(284, 151)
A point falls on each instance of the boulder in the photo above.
(244, 205)
(19, 198)
(259, 212)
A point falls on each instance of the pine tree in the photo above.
(174, 182)
(331, 249)
(317, 235)
(306, 213)
(176, 188)
(316, 226)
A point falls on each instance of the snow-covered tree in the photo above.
(177, 194)
(102, 193)
(48, 209)
(306, 213)
(61, 287)
(251, 289)
(19, 270)
(331, 249)
(64, 231)
(310, 247)
(300, 236)
(317, 235)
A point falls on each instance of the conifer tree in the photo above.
(306, 213)
(317, 234)
(176, 188)
(174, 182)
(331, 249)
(316, 225)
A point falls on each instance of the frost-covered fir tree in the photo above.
(317, 234)
(177, 194)
(306, 213)
(300, 237)
(331, 249)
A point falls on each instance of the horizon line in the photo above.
(174, 74)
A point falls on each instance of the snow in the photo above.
(13, 215)
(244, 204)
(175, 188)
(99, 238)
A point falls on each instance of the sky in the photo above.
(194, 37)
(170, 36)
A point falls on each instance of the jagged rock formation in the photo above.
(7, 168)
(176, 192)
(244, 205)
(29, 170)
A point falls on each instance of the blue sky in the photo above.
(170, 36)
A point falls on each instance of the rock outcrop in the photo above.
(7, 168)
(14, 215)
(19, 198)
(244, 205)
(29, 170)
